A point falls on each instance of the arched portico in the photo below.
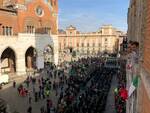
(8, 61)
(30, 58)
(48, 54)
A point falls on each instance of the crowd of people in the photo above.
(124, 79)
(66, 85)
(79, 86)
(93, 98)
(79, 76)
(120, 93)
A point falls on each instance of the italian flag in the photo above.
(133, 86)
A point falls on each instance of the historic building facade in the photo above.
(28, 33)
(136, 21)
(145, 73)
(139, 30)
(106, 39)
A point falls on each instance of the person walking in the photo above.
(14, 84)
(36, 96)
(30, 99)
(42, 109)
(29, 109)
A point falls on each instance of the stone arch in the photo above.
(48, 53)
(30, 58)
(8, 61)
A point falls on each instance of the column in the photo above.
(55, 40)
(40, 60)
(20, 65)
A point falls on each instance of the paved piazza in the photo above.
(21, 104)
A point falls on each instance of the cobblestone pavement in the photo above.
(110, 106)
(20, 104)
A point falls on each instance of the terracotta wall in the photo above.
(145, 106)
(147, 39)
(29, 16)
(145, 100)
(8, 19)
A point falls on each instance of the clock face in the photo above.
(39, 11)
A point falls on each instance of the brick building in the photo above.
(106, 39)
(139, 30)
(28, 31)
(145, 74)
(28, 16)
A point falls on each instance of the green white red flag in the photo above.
(133, 86)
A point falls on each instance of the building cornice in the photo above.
(8, 10)
(87, 35)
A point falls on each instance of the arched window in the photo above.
(46, 1)
(52, 2)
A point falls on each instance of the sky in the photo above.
(90, 15)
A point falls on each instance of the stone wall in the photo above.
(105, 39)
(139, 30)
(19, 44)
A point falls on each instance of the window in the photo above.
(27, 29)
(70, 43)
(93, 52)
(48, 30)
(99, 44)
(88, 51)
(7, 30)
(46, 1)
(82, 51)
(105, 39)
(93, 44)
(77, 44)
(51, 2)
(88, 45)
(55, 2)
(39, 11)
(82, 44)
(30, 29)
(64, 45)
(10, 30)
